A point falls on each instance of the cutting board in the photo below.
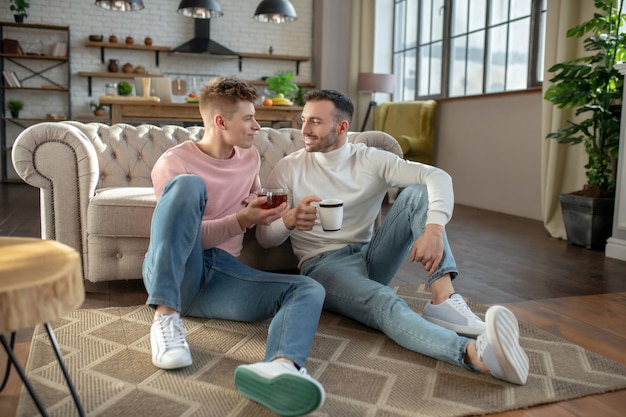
(179, 87)
(128, 99)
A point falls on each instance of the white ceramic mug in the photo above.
(331, 214)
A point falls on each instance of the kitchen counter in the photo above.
(150, 110)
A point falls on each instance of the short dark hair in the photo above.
(344, 108)
(222, 94)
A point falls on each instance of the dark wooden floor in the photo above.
(572, 292)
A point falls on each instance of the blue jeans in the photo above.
(212, 283)
(356, 279)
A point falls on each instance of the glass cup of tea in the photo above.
(275, 197)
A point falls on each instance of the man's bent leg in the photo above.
(174, 261)
(235, 291)
(392, 242)
(351, 293)
(174, 257)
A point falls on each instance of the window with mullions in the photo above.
(451, 48)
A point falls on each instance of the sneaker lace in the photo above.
(481, 345)
(463, 308)
(171, 332)
(304, 372)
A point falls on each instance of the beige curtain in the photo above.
(361, 54)
(562, 165)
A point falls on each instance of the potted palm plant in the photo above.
(594, 88)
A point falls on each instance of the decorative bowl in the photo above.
(96, 38)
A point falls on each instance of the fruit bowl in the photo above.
(192, 99)
(281, 101)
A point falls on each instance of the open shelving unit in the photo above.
(31, 69)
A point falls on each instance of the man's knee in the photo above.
(179, 193)
(185, 183)
(416, 194)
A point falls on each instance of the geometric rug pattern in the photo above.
(107, 352)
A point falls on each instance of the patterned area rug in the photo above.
(365, 374)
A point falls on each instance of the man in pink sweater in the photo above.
(207, 199)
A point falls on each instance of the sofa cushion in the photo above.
(121, 212)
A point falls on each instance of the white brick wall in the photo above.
(236, 30)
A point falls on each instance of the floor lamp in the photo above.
(374, 83)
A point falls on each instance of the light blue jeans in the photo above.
(212, 283)
(356, 279)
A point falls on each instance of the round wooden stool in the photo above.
(40, 281)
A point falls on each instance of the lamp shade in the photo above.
(275, 11)
(121, 5)
(376, 83)
(200, 9)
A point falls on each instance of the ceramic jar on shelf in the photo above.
(114, 65)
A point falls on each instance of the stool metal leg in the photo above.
(7, 370)
(57, 351)
(25, 380)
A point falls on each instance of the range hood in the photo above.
(202, 43)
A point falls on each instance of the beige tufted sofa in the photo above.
(96, 192)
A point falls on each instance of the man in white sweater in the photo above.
(355, 265)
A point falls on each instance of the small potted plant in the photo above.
(283, 87)
(124, 88)
(14, 107)
(98, 109)
(19, 9)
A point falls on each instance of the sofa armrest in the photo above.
(60, 161)
(377, 139)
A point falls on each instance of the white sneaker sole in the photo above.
(287, 394)
(181, 363)
(503, 334)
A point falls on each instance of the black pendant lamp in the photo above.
(200, 9)
(275, 11)
(121, 5)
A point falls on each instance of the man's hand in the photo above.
(253, 214)
(249, 198)
(428, 248)
(302, 216)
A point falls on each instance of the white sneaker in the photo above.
(454, 314)
(167, 339)
(499, 347)
(280, 387)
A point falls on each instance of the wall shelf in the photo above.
(40, 57)
(132, 47)
(106, 74)
(264, 83)
(50, 88)
(295, 58)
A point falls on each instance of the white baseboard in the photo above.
(615, 248)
